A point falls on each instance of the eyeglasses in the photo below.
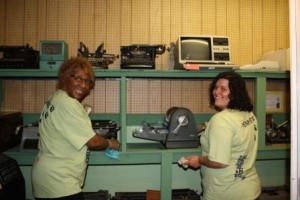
(80, 80)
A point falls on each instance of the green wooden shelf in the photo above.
(144, 153)
(102, 73)
(153, 153)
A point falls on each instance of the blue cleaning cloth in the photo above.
(112, 153)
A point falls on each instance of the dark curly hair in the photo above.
(72, 66)
(239, 97)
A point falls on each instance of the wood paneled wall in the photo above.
(254, 27)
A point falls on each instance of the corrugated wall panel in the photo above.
(257, 40)
(254, 27)
(14, 19)
(246, 36)
(268, 25)
(233, 29)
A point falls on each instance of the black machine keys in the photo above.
(140, 56)
(19, 57)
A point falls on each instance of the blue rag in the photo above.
(112, 153)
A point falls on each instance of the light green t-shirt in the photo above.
(60, 166)
(231, 138)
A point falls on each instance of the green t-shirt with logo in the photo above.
(231, 138)
(60, 166)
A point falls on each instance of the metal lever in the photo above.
(182, 121)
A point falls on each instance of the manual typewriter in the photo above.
(106, 128)
(140, 56)
(30, 135)
(179, 130)
(100, 59)
(19, 57)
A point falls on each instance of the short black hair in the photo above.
(239, 97)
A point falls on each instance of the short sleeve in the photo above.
(220, 140)
(75, 125)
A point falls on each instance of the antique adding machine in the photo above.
(179, 130)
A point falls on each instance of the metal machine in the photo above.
(178, 131)
(100, 59)
(140, 56)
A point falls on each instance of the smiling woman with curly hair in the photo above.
(66, 133)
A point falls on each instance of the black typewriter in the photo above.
(30, 136)
(140, 56)
(106, 128)
(100, 59)
(19, 57)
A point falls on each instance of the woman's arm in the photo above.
(198, 161)
(99, 142)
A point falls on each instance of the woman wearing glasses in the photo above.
(66, 134)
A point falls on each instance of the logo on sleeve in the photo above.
(49, 108)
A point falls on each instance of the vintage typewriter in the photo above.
(140, 56)
(179, 130)
(100, 59)
(19, 57)
(106, 128)
(30, 135)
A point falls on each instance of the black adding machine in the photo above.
(179, 130)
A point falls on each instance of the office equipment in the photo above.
(99, 195)
(178, 131)
(19, 57)
(281, 56)
(10, 135)
(278, 60)
(52, 54)
(140, 56)
(277, 133)
(203, 51)
(263, 65)
(30, 138)
(100, 59)
(207, 66)
(106, 128)
(30, 134)
(12, 183)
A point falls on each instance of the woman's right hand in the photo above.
(113, 144)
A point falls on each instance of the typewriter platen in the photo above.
(178, 131)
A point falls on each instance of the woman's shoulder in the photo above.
(222, 114)
(61, 99)
(228, 114)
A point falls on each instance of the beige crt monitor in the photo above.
(203, 51)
